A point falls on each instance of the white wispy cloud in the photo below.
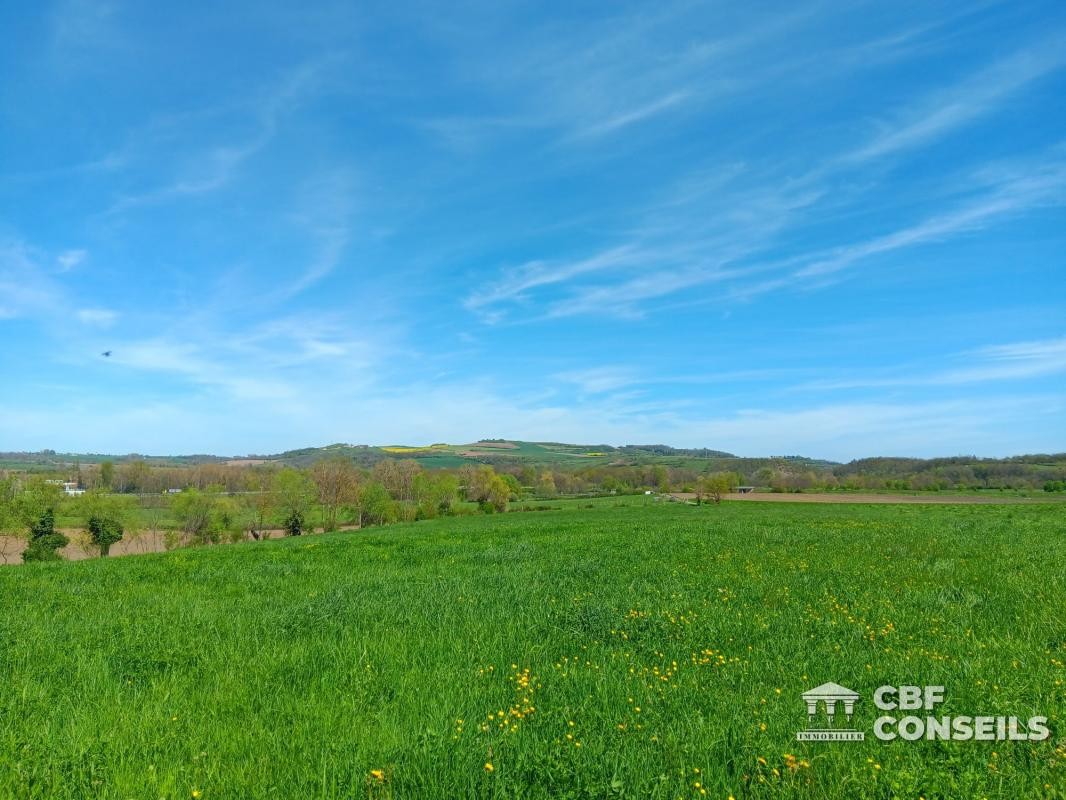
(701, 232)
(596, 380)
(271, 362)
(634, 115)
(32, 286)
(26, 288)
(100, 317)
(713, 230)
(214, 167)
(677, 249)
(295, 342)
(1017, 361)
(324, 211)
(1024, 190)
(197, 366)
(584, 85)
(518, 282)
(950, 109)
(625, 298)
(69, 259)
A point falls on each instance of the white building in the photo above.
(70, 488)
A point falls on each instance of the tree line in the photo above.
(625, 472)
(213, 502)
(331, 494)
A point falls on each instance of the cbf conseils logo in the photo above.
(836, 701)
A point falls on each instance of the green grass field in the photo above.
(631, 649)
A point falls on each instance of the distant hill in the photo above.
(791, 470)
(508, 452)
(503, 452)
(485, 451)
(50, 459)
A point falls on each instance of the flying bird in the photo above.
(106, 354)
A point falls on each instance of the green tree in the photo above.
(546, 485)
(136, 476)
(228, 520)
(376, 506)
(45, 541)
(484, 487)
(435, 494)
(107, 474)
(528, 476)
(661, 477)
(764, 476)
(198, 513)
(294, 493)
(718, 484)
(513, 486)
(446, 492)
(33, 510)
(700, 488)
(294, 522)
(496, 496)
(208, 516)
(105, 531)
(107, 517)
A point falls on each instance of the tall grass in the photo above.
(635, 650)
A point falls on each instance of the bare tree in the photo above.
(337, 484)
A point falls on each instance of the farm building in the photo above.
(70, 488)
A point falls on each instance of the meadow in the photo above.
(601, 649)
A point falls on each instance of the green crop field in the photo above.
(595, 649)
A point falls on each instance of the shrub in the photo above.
(105, 531)
(44, 541)
(294, 522)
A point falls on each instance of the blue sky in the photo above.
(836, 230)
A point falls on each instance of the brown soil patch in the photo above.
(830, 497)
(81, 548)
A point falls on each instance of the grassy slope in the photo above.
(294, 668)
